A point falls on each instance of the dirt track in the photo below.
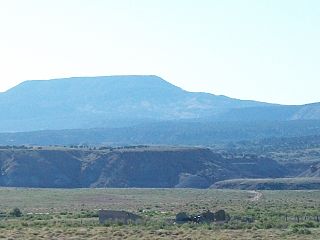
(257, 196)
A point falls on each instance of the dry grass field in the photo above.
(72, 214)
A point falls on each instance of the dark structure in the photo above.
(117, 216)
(182, 217)
(220, 216)
(205, 217)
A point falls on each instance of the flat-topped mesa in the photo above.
(108, 101)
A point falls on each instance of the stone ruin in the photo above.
(117, 216)
(220, 216)
(205, 217)
(124, 217)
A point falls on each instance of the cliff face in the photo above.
(33, 168)
(143, 167)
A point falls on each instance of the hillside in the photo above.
(204, 133)
(269, 184)
(127, 167)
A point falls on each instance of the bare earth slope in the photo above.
(313, 171)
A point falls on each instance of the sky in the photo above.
(265, 50)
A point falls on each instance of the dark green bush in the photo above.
(16, 212)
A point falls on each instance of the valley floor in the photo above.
(72, 213)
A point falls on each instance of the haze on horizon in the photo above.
(260, 50)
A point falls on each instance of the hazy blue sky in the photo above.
(267, 50)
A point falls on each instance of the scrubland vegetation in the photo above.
(72, 214)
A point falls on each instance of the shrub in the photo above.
(301, 230)
(16, 212)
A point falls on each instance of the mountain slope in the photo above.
(176, 133)
(105, 102)
(120, 101)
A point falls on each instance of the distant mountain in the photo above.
(122, 101)
(89, 102)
